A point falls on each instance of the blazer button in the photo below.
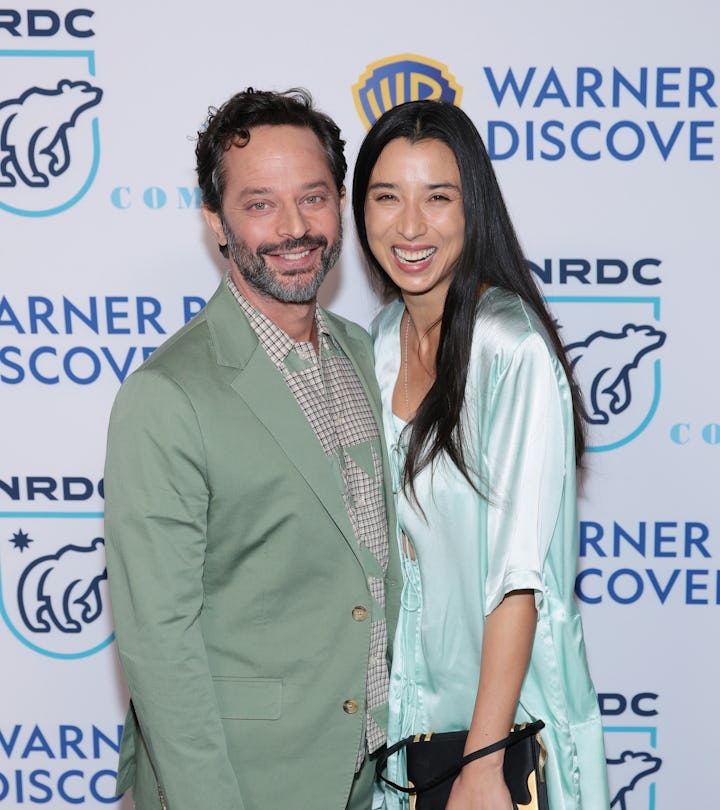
(350, 706)
(359, 613)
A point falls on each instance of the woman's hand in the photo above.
(478, 788)
(507, 641)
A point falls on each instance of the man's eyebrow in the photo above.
(249, 191)
(316, 184)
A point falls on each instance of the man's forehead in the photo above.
(282, 138)
(274, 154)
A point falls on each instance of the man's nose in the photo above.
(292, 222)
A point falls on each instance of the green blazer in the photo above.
(233, 573)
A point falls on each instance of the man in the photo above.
(246, 511)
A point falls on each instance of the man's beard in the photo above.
(255, 271)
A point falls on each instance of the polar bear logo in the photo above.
(63, 589)
(34, 131)
(627, 771)
(605, 361)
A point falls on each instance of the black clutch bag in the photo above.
(434, 760)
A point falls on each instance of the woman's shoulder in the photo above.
(508, 333)
(387, 320)
(504, 320)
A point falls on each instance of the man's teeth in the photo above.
(413, 255)
(291, 257)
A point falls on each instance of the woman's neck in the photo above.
(425, 315)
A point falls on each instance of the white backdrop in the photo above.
(602, 120)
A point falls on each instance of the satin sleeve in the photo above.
(526, 468)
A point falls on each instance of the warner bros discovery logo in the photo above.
(397, 79)
(53, 585)
(49, 130)
(614, 348)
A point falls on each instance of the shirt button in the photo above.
(359, 613)
(350, 706)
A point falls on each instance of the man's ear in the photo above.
(343, 197)
(215, 224)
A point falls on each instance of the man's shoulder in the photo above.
(201, 338)
(343, 328)
(187, 354)
(190, 341)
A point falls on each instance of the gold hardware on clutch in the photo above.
(542, 759)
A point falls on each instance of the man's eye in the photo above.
(313, 199)
(258, 206)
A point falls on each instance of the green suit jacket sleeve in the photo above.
(157, 503)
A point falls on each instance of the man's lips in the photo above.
(292, 257)
(298, 255)
(294, 262)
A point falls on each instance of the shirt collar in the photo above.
(266, 329)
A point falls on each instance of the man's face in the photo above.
(280, 214)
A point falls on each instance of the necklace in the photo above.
(405, 365)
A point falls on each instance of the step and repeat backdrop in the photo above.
(602, 122)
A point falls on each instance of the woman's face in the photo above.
(414, 216)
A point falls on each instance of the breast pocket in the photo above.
(249, 698)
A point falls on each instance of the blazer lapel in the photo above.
(266, 393)
(363, 363)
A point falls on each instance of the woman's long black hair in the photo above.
(491, 254)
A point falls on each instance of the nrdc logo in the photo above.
(613, 344)
(49, 130)
(53, 586)
(631, 750)
(397, 79)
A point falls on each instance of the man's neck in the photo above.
(296, 320)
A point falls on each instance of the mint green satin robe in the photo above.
(472, 551)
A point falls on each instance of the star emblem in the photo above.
(21, 540)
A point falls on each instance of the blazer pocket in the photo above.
(248, 698)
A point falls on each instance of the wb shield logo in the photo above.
(49, 133)
(397, 79)
(614, 346)
(53, 590)
(632, 765)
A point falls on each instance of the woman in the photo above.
(483, 421)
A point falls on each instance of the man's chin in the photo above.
(299, 295)
(291, 293)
